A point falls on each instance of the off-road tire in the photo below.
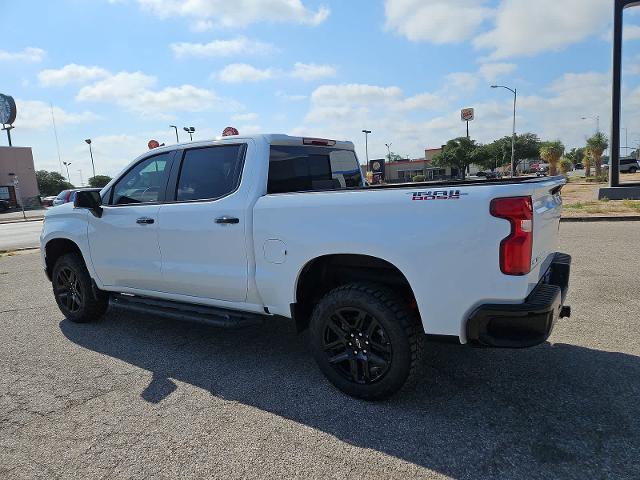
(73, 290)
(399, 324)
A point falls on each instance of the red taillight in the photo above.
(515, 250)
(318, 142)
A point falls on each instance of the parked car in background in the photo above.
(543, 169)
(48, 201)
(489, 174)
(4, 205)
(578, 166)
(67, 196)
(627, 165)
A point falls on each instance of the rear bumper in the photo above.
(524, 324)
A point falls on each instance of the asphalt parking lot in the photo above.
(136, 397)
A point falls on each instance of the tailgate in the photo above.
(547, 208)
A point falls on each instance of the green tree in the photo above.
(565, 165)
(99, 181)
(498, 152)
(51, 183)
(597, 144)
(394, 157)
(488, 156)
(457, 153)
(575, 155)
(551, 152)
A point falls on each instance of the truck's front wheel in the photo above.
(366, 340)
(73, 291)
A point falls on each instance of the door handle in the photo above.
(226, 219)
(145, 221)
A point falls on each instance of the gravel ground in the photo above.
(136, 397)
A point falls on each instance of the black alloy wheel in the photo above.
(357, 345)
(367, 339)
(76, 296)
(68, 290)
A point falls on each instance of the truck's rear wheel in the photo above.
(73, 291)
(366, 340)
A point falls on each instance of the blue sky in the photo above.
(121, 71)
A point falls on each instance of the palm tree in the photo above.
(551, 152)
(597, 144)
(587, 163)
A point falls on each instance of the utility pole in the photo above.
(388, 145)
(66, 164)
(88, 140)
(8, 128)
(366, 147)
(513, 135)
(176, 129)
(81, 179)
(16, 186)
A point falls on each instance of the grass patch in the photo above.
(604, 207)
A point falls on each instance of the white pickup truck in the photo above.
(247, 228)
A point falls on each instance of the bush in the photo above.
(565, 165)
(418, 178)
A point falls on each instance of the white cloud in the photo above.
(222, 48)
(242, 72)
(312, 71)
(492, 71)
(291, 97)
(422, 101)
(29, 54)
(245, 117)
(36, 115)
(121, 87)
(631, 32)
(464, 81)
(202, 26)
(436, 21)
(133, 91)
(354, 93)
(240, 13)
(523, 27)
(71, 73)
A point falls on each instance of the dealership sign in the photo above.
(466, 114)
(7, 110)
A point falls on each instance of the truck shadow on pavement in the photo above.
(551, 411)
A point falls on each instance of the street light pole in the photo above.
(366, 147)
(176, 129)
(81, 179)
(190, 131)
(67, 165)
(597, 119)
(88, 140)
(8, 128)
(388, 145)
(513, 135)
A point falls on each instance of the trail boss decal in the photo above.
(437, 195)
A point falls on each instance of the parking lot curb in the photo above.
(21, 249)
(22, 220)
(619, 218)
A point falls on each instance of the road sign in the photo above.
(466, 114)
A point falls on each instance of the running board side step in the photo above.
(217, 317)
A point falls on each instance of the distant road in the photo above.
(20, 235)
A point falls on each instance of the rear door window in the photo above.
(210, 173)
(303, 169)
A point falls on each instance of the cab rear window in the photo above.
(304, 169)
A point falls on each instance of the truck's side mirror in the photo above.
(90, 200)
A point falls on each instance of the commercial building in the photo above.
(17, 163)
